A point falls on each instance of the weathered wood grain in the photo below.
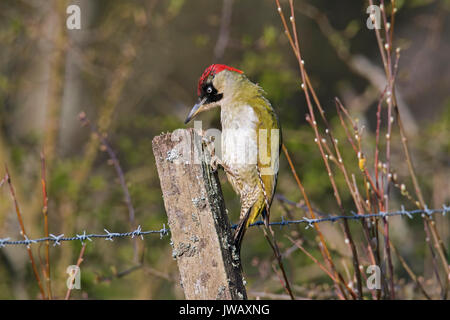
(201, 235)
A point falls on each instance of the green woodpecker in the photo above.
(250, 140)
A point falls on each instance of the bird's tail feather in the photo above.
(240, 230)
(243, 226)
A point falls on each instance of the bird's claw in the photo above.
(209, 144)
(214, 163)
(206, 140)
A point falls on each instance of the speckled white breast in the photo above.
(239, 138)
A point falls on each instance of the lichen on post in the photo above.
(201, 234)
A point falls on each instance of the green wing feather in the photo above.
(268, 121)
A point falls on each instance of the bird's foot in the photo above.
(208, 142)
(225, 167)
(214, 163)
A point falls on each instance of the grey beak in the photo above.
(194, 110)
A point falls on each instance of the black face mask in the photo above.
(210, 93)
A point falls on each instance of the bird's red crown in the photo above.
(213, 70)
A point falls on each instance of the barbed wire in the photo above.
(355, 216)
(165, 231)
(83, 237)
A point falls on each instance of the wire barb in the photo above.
(83, 237)
(137, 232)
(2, 242)
(56, 239)
(110, 235)
(406, 213)
(446, 209)
(163, 232)
(310, 222)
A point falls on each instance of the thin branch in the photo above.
(271, 239)
(46, 232)
(224, 32)
(296, 48)
(115, 161)
(79, 261)
(24, 233)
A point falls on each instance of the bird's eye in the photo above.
(209, 90)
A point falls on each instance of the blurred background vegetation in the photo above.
(133, 68)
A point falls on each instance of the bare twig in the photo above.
(115, 161)
(120, 274)
(294, 42)
(24, 233)
(46, 232)
(323, 246)
(224, 32)
(271, 239)
(79, 261)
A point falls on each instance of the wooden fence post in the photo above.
(201, 235)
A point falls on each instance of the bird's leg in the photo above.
(215, 161)
(209, 144)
